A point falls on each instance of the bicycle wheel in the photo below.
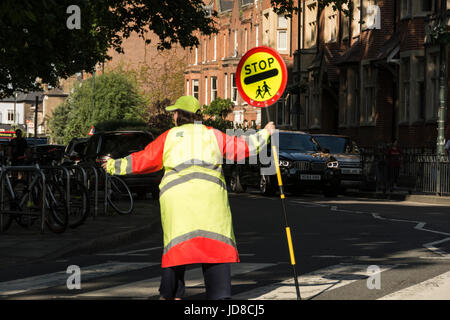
(119, 196)
(5, 218)
(30, 209)
(79, 204)
(57, 218)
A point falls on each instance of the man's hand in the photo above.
(270, 127)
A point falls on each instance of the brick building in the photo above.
(373, 75)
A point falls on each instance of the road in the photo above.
(345, 249)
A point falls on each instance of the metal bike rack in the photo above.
(36, 169)
(67, 173)
(94, 170)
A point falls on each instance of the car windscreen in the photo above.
(297, 142)
(336, 144)
(121, 145)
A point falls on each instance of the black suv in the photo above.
(303, 166)
(119, 144)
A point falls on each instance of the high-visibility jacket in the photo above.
(195, 213)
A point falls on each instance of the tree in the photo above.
(288, 7)
(115, 98)
(217, 112)
(39, 39)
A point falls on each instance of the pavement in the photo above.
(110, 230)
(102, 232)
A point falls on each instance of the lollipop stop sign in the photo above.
(261, 76)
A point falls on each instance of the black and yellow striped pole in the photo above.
(261, 71)
(283, 204)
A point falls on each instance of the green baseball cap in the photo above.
(185, 103)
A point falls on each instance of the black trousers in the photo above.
(217, 281)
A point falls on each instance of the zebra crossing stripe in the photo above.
(59, 278)
(437, 288)
(311, 284)
(150, 287)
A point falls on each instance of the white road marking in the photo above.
(60, 278)
(311, 284)
(130, 253)
(437, 288)
(150, 287)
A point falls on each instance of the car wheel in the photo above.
(265, 187)
(235, 182)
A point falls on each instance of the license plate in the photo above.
(351, 171)
(310, 177)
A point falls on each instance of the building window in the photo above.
(245, 40)
(204, 51)
(356, 97)
(427, 5)
(215, 48)
(356, 18)
(225, 83)
(195, 88)
(282, 33)
(235, 48)
(280, 112)
(345, 24)
(234, 91)
(344, 106)
(332, 28)
(213, 88)
(187, 87)
(10, 115)
(406, 88)
(405, 9)
(196, 56)
(369, 99)
(257, 36)
(206, 90)
(421, 93)
(310, 25)
(224, 45)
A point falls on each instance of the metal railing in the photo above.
(422, 173)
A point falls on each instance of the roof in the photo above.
(389, 46)
(29, 97)
(351, 55)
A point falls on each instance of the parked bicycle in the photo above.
(30, 200)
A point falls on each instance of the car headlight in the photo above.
(333, 164)
(284, 163)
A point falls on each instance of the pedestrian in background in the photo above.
(394, 163)
(195, 213)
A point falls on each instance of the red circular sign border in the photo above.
(262, 104)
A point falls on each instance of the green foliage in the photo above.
(158, 119)
(37, 30)
(289, 7)
(216, 114)
(115, 98)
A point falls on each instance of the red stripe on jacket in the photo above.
(151, 158)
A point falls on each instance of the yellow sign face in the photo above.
(261, 76)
